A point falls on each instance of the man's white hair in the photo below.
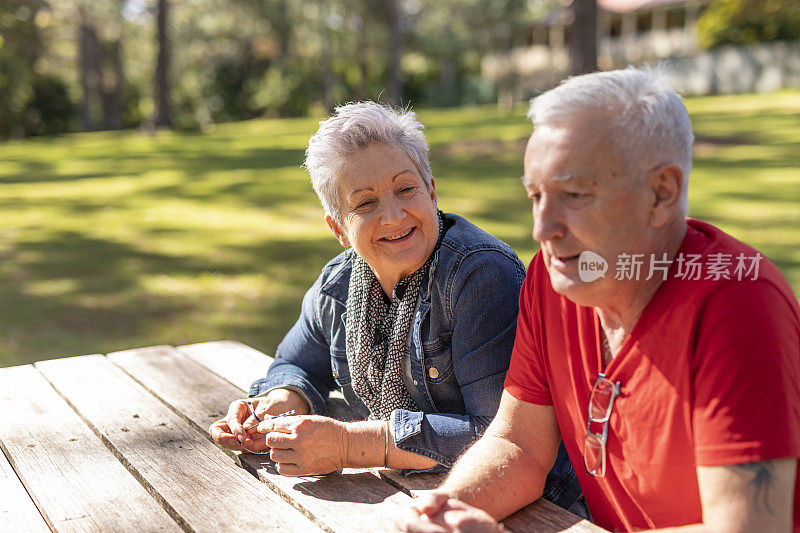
(353, 127)
(647, 122)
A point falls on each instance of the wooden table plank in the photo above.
(233, 361)
(353, 500)
(218, 356)
(74, 479)
(17, 511)
(240, 365)
(198, 484)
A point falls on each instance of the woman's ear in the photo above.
(337, 231)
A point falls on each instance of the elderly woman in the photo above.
(414, 322)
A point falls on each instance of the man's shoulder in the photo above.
(729, 264)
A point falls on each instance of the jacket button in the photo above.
(335, 374)
(433, 372)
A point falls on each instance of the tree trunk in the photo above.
(583, 38)
(163, 112)
(90, 70)
(117, 100)
(395, 52)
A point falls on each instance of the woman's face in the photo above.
(388, 215)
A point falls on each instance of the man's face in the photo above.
(585, 199)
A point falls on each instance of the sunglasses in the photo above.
(601, 402)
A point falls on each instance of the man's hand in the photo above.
(305, 445)
(238, 423)
(436, 512)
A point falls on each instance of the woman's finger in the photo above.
(237, 413)
(288, 469)
(283, 441)
(221, 434)
(283, 456)
(281, 424)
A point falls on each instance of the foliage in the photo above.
(740, 22)
(245, 58)
(49, 109)
(110, 240)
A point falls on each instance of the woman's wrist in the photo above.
(365, 444)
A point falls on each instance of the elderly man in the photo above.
(663, 351)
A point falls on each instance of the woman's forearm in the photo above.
(367, 447)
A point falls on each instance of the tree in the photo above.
(395, 13)
(742, 22)
(583, 39)
(163, 110)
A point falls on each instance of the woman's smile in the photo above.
(399, 236)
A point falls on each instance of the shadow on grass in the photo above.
(72, 294)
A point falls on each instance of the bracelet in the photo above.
(386, 450)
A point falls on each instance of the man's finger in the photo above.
(430, 503)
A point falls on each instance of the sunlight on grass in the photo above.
(113, 240)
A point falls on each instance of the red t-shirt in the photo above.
(710, 376)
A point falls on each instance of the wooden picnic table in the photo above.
(120, 443)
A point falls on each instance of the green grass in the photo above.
(115, 240)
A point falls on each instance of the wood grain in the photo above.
(193, 479)
(240, 365)
(233, 361)
(352, 500)
(216, 356)
(545, 516)
(17, 511)
(76, 482)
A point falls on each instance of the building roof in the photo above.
(626, 6)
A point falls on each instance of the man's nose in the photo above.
(547, 219)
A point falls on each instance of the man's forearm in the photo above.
(497, 476)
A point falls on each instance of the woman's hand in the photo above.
(239, 423)
(436, 512)
(306, 445)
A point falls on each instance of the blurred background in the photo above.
(150, 150)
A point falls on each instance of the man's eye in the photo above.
(365, 204)
(407, 190)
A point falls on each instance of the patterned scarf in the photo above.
(377, 334)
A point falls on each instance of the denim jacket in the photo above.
(456, 358)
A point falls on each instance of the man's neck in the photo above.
(619, 319)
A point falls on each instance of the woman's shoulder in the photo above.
(462, 237)
(334, 279)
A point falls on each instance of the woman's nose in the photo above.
(392, 212)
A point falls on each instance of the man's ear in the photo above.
(433, 190)
(337, 231)
(666, 182)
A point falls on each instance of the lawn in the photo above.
(115, 240)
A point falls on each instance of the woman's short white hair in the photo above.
(353, 127)
(647, 121)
